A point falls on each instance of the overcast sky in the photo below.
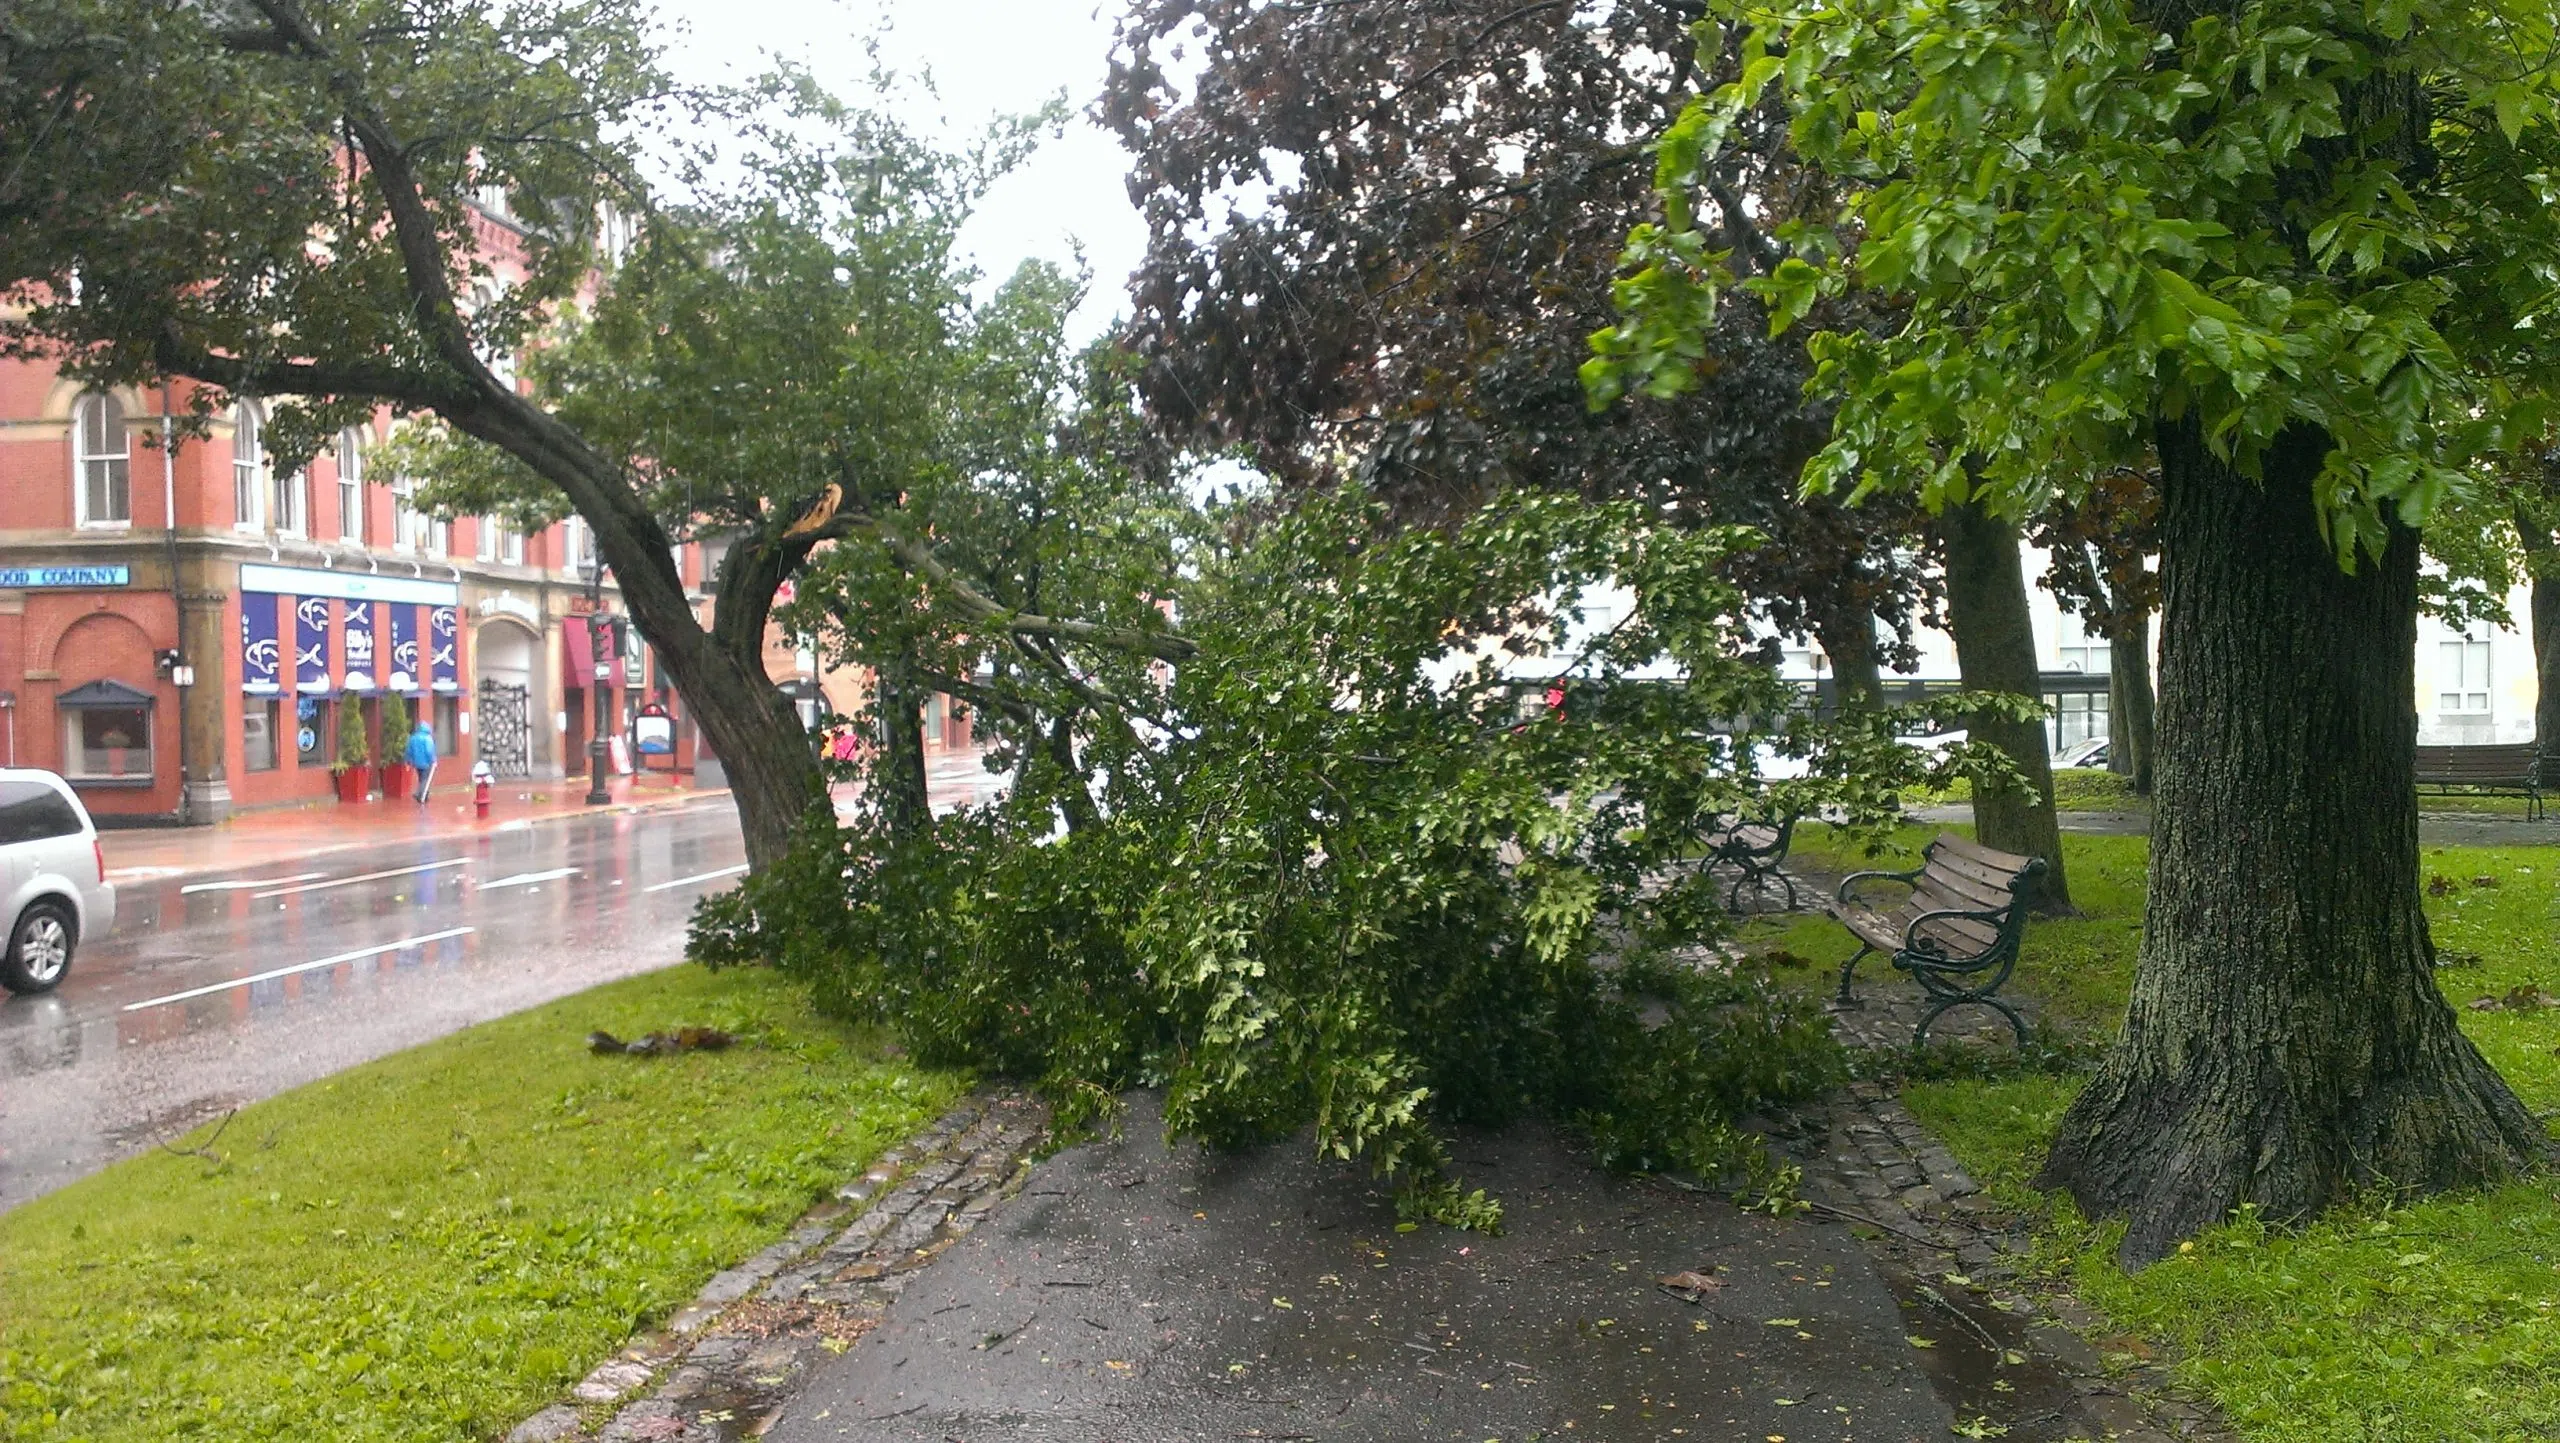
(986, 57)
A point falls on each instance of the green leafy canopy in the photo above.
(2099, 214)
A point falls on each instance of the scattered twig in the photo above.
(1942, 1303)
(204, 1149)
(1848, 1216)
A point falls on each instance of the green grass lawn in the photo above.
(434, 1245)
(2438, 1320)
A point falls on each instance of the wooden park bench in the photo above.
(2511, 769)
(1956, 930)
(1757, 852)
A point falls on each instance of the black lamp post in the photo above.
(600, 640)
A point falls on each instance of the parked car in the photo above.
(53, 879)
(2089, 753)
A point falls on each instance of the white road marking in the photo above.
(243, 886)
(521, 878)
(144, 873)
(704, 877)
(402, 945)
(365, 877)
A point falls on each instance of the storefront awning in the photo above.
(578, 657)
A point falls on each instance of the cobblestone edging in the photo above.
(725, 1363)
(1869, 1162)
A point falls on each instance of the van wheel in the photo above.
(39, 949)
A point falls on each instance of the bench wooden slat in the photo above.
(1969, 891)
(1993, 882)
(2005, 863)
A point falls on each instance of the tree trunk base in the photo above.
(2286, 1044)
(2173, 1160)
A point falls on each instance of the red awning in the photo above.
(578, 657)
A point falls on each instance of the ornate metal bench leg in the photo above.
(1790, 884)
(1846, 969)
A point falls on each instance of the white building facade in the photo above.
(2476, 684)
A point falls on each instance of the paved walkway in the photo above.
(257, 839)
(1143, 1294)
(2435, 829)
(262, 838)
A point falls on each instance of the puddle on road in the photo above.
(1968, 1362)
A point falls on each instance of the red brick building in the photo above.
(182, 627)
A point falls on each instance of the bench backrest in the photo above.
(2507, 762)
(1958, 875)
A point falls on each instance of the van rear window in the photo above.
(32, 811)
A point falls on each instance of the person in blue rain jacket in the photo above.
(421, 757)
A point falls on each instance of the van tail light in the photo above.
(98, 848)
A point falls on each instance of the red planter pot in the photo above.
(353, 783)
(395, 781)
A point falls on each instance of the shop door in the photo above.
(506, 730)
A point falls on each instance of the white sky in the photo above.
(985, 58)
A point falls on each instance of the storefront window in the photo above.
(109, 743)
(258, 734)
(312, 734)
(448, 725)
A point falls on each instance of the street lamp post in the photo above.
(600, 641)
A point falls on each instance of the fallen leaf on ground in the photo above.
(1690, 1284)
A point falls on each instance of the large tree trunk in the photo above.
(1996, 652)
(1857, 676)
(2130, 702)
(2286, 1042)
(773, 773)
(2542, 557)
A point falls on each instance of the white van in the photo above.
(53, 879)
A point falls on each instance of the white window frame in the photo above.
(248, 466)
(351, 517)
(510, 546)
(2459, 691)
(2079, 649)
(484, 539)
(292, 500)
(116, 462)
(408, 523)
(75, 755)
(439, 537)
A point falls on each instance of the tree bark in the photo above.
(1857, 677)
(1995, 640)
(2542, 560)
(2130, 702)
(773, 775)
(905, 800)
(2285, 1042)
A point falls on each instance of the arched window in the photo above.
(293, 499)
(102, 461)
(351, 485)
(248, 466)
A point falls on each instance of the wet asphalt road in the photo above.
(220, 989)
(1135, 1293)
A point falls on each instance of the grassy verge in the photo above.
(434, 1245)
(2075, 789)
(2379, 1323)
